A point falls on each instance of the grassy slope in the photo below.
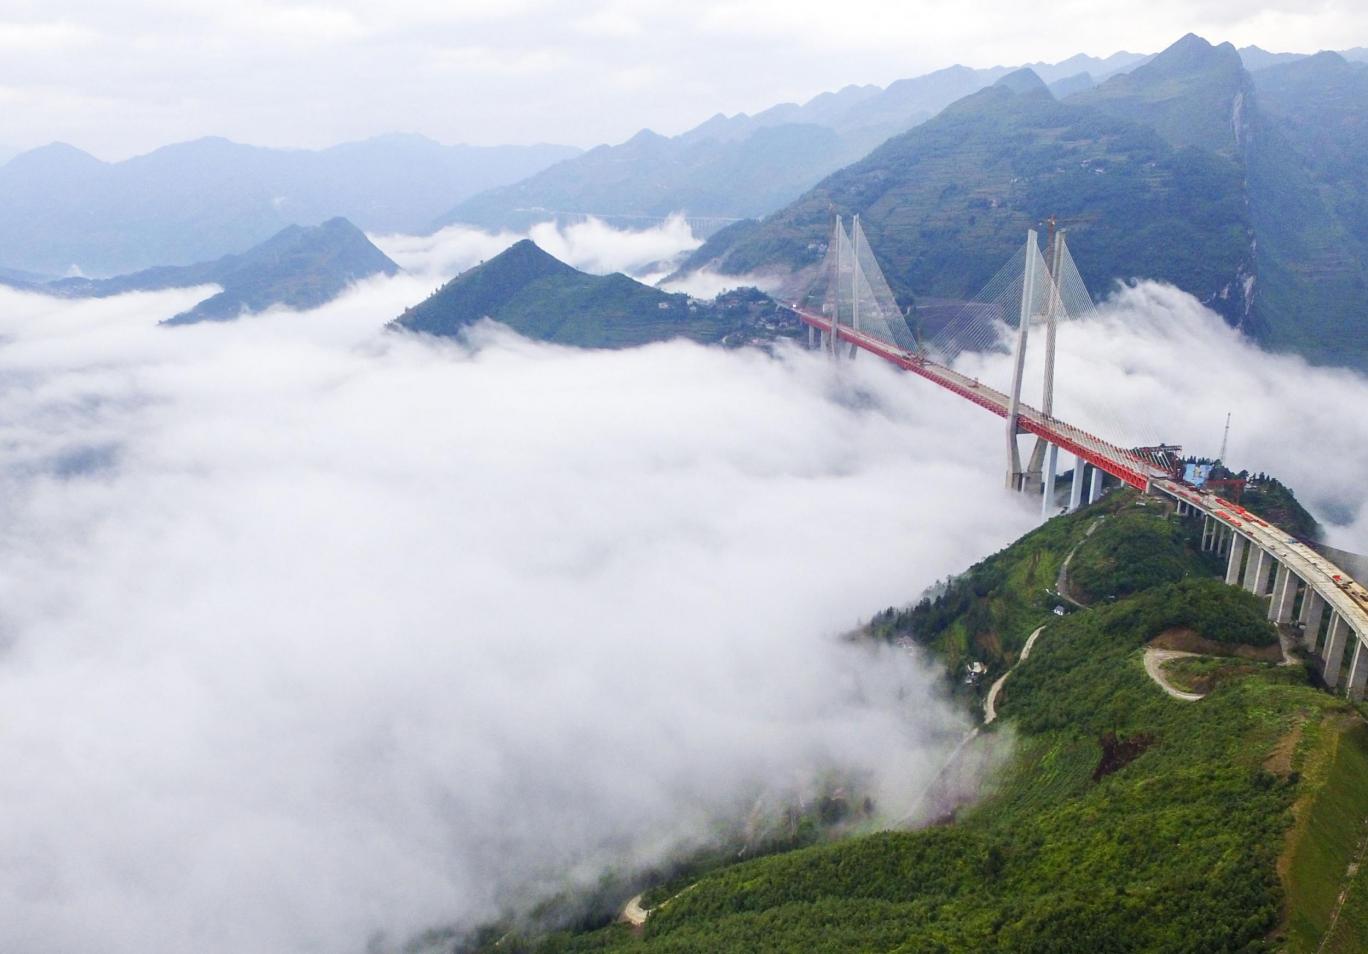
(1176, 851)
(1327, 839)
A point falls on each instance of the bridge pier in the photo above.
(1358, 672)
(1284, 594)
(1256, 570)
(1208, 532)
(1047, 494)
(1238, 545)
(1076, 487)
(1095, 488)
(1312, 611)
(1333, 654)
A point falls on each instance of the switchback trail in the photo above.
(1154, 666)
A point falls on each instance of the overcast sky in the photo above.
(118, 77)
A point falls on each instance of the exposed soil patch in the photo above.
(990, 644)
(1279, 761)
(1189, 641)
(1118, 753)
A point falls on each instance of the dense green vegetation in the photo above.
(1275, 502)
(1127, 553)
(541, 297)
(1127, 820)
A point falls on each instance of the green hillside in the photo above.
(541, 297)
(1309, 203)
(1127, 820)
(947, 203)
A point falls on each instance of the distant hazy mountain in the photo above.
(298, 267)
(740, 166)
(1255, 58)
(1193, 94)
(1247, 190)
(543, 298)
(19, 278)
(1072, 84)
(60, 207)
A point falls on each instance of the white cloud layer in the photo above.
(591, 246)
(311, 632)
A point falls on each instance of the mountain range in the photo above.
(541, 297)
(62, 208)
(1245, 189)
(742, 166)
(299, 267)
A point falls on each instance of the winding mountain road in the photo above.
(990, 703)
(1154, 667)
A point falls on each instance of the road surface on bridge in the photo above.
(1122, 464)
(1346, 596)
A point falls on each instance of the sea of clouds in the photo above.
(313, 633)
(649, 254)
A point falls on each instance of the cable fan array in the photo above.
(851, 291)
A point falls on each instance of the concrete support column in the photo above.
(1284, 595)
(1076, 488)
(1358, 671)
(1313, 608)
(1047, 501)
(1095, 491)
(1237, 549)
(1256, 569)
(1333, 654)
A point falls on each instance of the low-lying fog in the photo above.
(313, 633)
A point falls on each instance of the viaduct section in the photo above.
(1305, 590)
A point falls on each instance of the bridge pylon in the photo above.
(1015, 474)
(1034, 480)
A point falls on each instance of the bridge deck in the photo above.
(1340, 591)
(1344, 594)
(1120, 463)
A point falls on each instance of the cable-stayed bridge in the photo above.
(850, 308)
